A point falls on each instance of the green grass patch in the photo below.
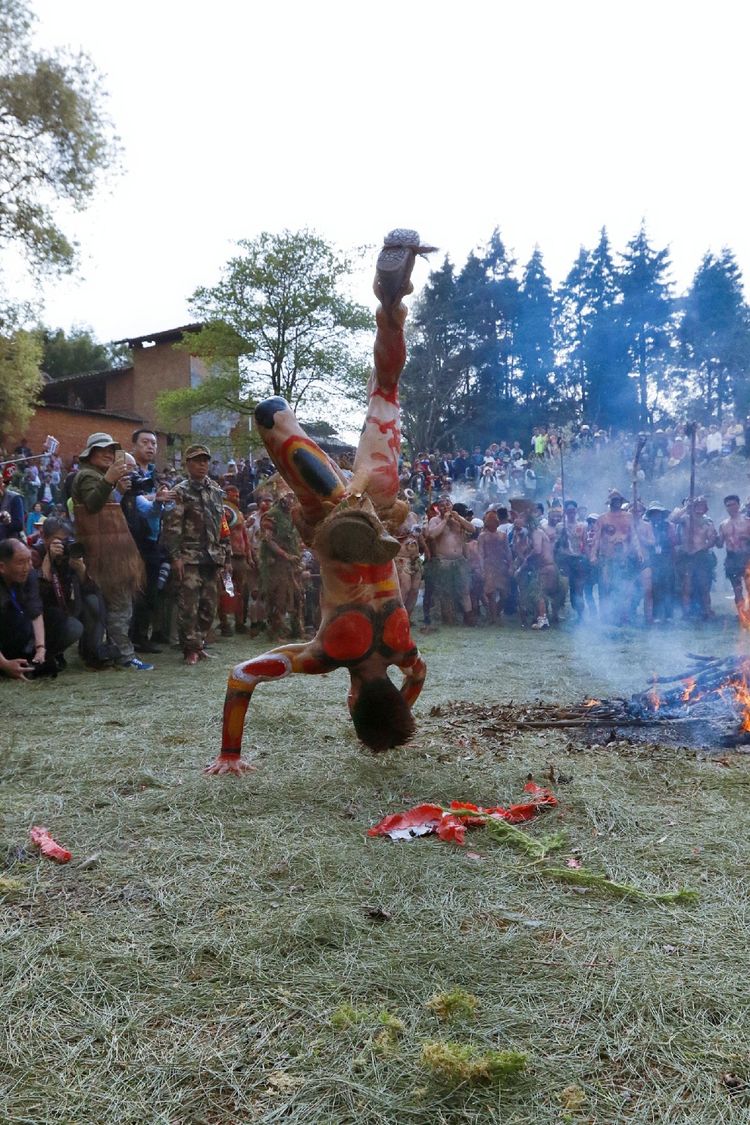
(223, 950)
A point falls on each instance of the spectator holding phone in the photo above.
(112, 558)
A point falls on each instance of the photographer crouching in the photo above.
(27, 648)
(68, 594)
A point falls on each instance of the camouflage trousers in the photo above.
(197, 600)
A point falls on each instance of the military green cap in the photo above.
(197, 450)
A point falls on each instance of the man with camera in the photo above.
(67, 593)
(144, 504)
(27, 647)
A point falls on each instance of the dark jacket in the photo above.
(12, 503)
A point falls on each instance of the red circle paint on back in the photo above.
(348, 637)
(396, 631)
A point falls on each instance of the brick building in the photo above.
(120, 400)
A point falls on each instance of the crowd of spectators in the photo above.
(111, 554)
(84, 557)
(508, 468)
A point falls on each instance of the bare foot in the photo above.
(228, 763)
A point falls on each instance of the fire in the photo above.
(591, 702)
(743, 607)
(741, 694)
(689, 688)
(653, 698)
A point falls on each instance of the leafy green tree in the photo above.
(715, 334)
(55, 141)
(277, 323)
(77, 353)
(534, 335)
(647, 317)
(20, 381)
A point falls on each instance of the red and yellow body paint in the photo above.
(245, 677)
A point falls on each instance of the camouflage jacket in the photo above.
(191, 531)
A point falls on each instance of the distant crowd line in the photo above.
(507, 468)
(121, 558)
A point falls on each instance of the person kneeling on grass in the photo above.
(27, 650)
(68, 594)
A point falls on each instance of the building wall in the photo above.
(120, 393)
(72, 428)
(159, 368)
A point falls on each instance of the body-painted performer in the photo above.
(734, 534)
(350, 524)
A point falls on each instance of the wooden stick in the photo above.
(691, 428)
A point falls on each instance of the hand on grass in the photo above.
(228, 763)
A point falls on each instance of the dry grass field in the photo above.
(224, 950)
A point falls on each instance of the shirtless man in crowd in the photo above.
(447, 533)
(734, 534)
(409, 567)
(536, 573)
(618, 554)
(695, 560)
(570, 552)
(645, 532)
(497, 566)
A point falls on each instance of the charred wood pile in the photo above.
(713, 695)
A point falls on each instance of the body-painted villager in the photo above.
(497, 566)
(618, 553)
(734, 534)
(350, 524)
(695, 558)
(447, 532)
(239, 542)
(281, 571)
(409, 567)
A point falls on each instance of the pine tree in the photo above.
(594, 339)
(570, 322)
(487, 308)
(435, 383)
(647, 314)
(715, 334)
(534, 337)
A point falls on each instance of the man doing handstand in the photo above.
(364, 626)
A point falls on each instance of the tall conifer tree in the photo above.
(534, 337)
(647, 311)
(715, 334)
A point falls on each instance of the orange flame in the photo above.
(591, 702)
(741, 698)
(654, 701)
(689, 688)
(743, 607)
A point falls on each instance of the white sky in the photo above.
(547, 119)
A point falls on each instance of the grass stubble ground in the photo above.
(225, 951)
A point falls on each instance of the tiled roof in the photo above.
(160, 337)
(87, 376)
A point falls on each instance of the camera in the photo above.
(71, 550)
(141, 485)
